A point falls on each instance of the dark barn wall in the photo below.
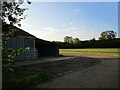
(54, 51)
(23, 42)
(46, 48)
(48, 51)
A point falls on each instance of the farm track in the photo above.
(88, 55)
(93, 51)
(101, 75)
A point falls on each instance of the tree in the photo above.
(76, 41)
(93, 39)
(14, 14)
(68, 39)
(107, 35)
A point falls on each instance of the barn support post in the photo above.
(118, 36)
(0, 48)
(34, 48)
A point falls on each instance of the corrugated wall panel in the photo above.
(22, 45)
(22, 42)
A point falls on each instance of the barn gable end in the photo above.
(36, 47)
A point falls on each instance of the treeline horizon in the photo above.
(107, 39)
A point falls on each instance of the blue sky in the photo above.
(85, 20)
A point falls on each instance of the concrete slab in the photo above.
(103, 75)
(43, 60)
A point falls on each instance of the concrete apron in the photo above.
(103, 75)
(42, 60)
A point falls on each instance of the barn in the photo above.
(36, 47)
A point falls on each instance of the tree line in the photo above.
(107, 39)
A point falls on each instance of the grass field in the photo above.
(101, 51)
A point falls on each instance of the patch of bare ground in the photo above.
(97, 51)
(88, 55)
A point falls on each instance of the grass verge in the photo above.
(20, 79)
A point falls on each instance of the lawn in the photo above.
(95, 51)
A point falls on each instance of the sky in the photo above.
(53, 21)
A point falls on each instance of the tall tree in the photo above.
(68, 39)
(11, 14)
(107, 35)
(76, 41)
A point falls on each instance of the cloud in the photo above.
(25, 24)
(82, 33)
(75, 11)
(52, 34)
(48, 33)
(71, 23)
(51, 29)
(85, 35)
(55, 34)
(74, 28)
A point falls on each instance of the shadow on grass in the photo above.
(20, 79)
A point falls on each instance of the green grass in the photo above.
(22, 79)
(94, 51)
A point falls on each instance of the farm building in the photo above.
(36, 47)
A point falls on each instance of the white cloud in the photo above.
(71, 23)
(74, 28)
(51, 29)
(85, 35)
(48, 33)
(54, 34)
(82, 33)
(25, 24)
(75, 11)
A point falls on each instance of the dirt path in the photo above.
(102, 75)
(87, 55)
